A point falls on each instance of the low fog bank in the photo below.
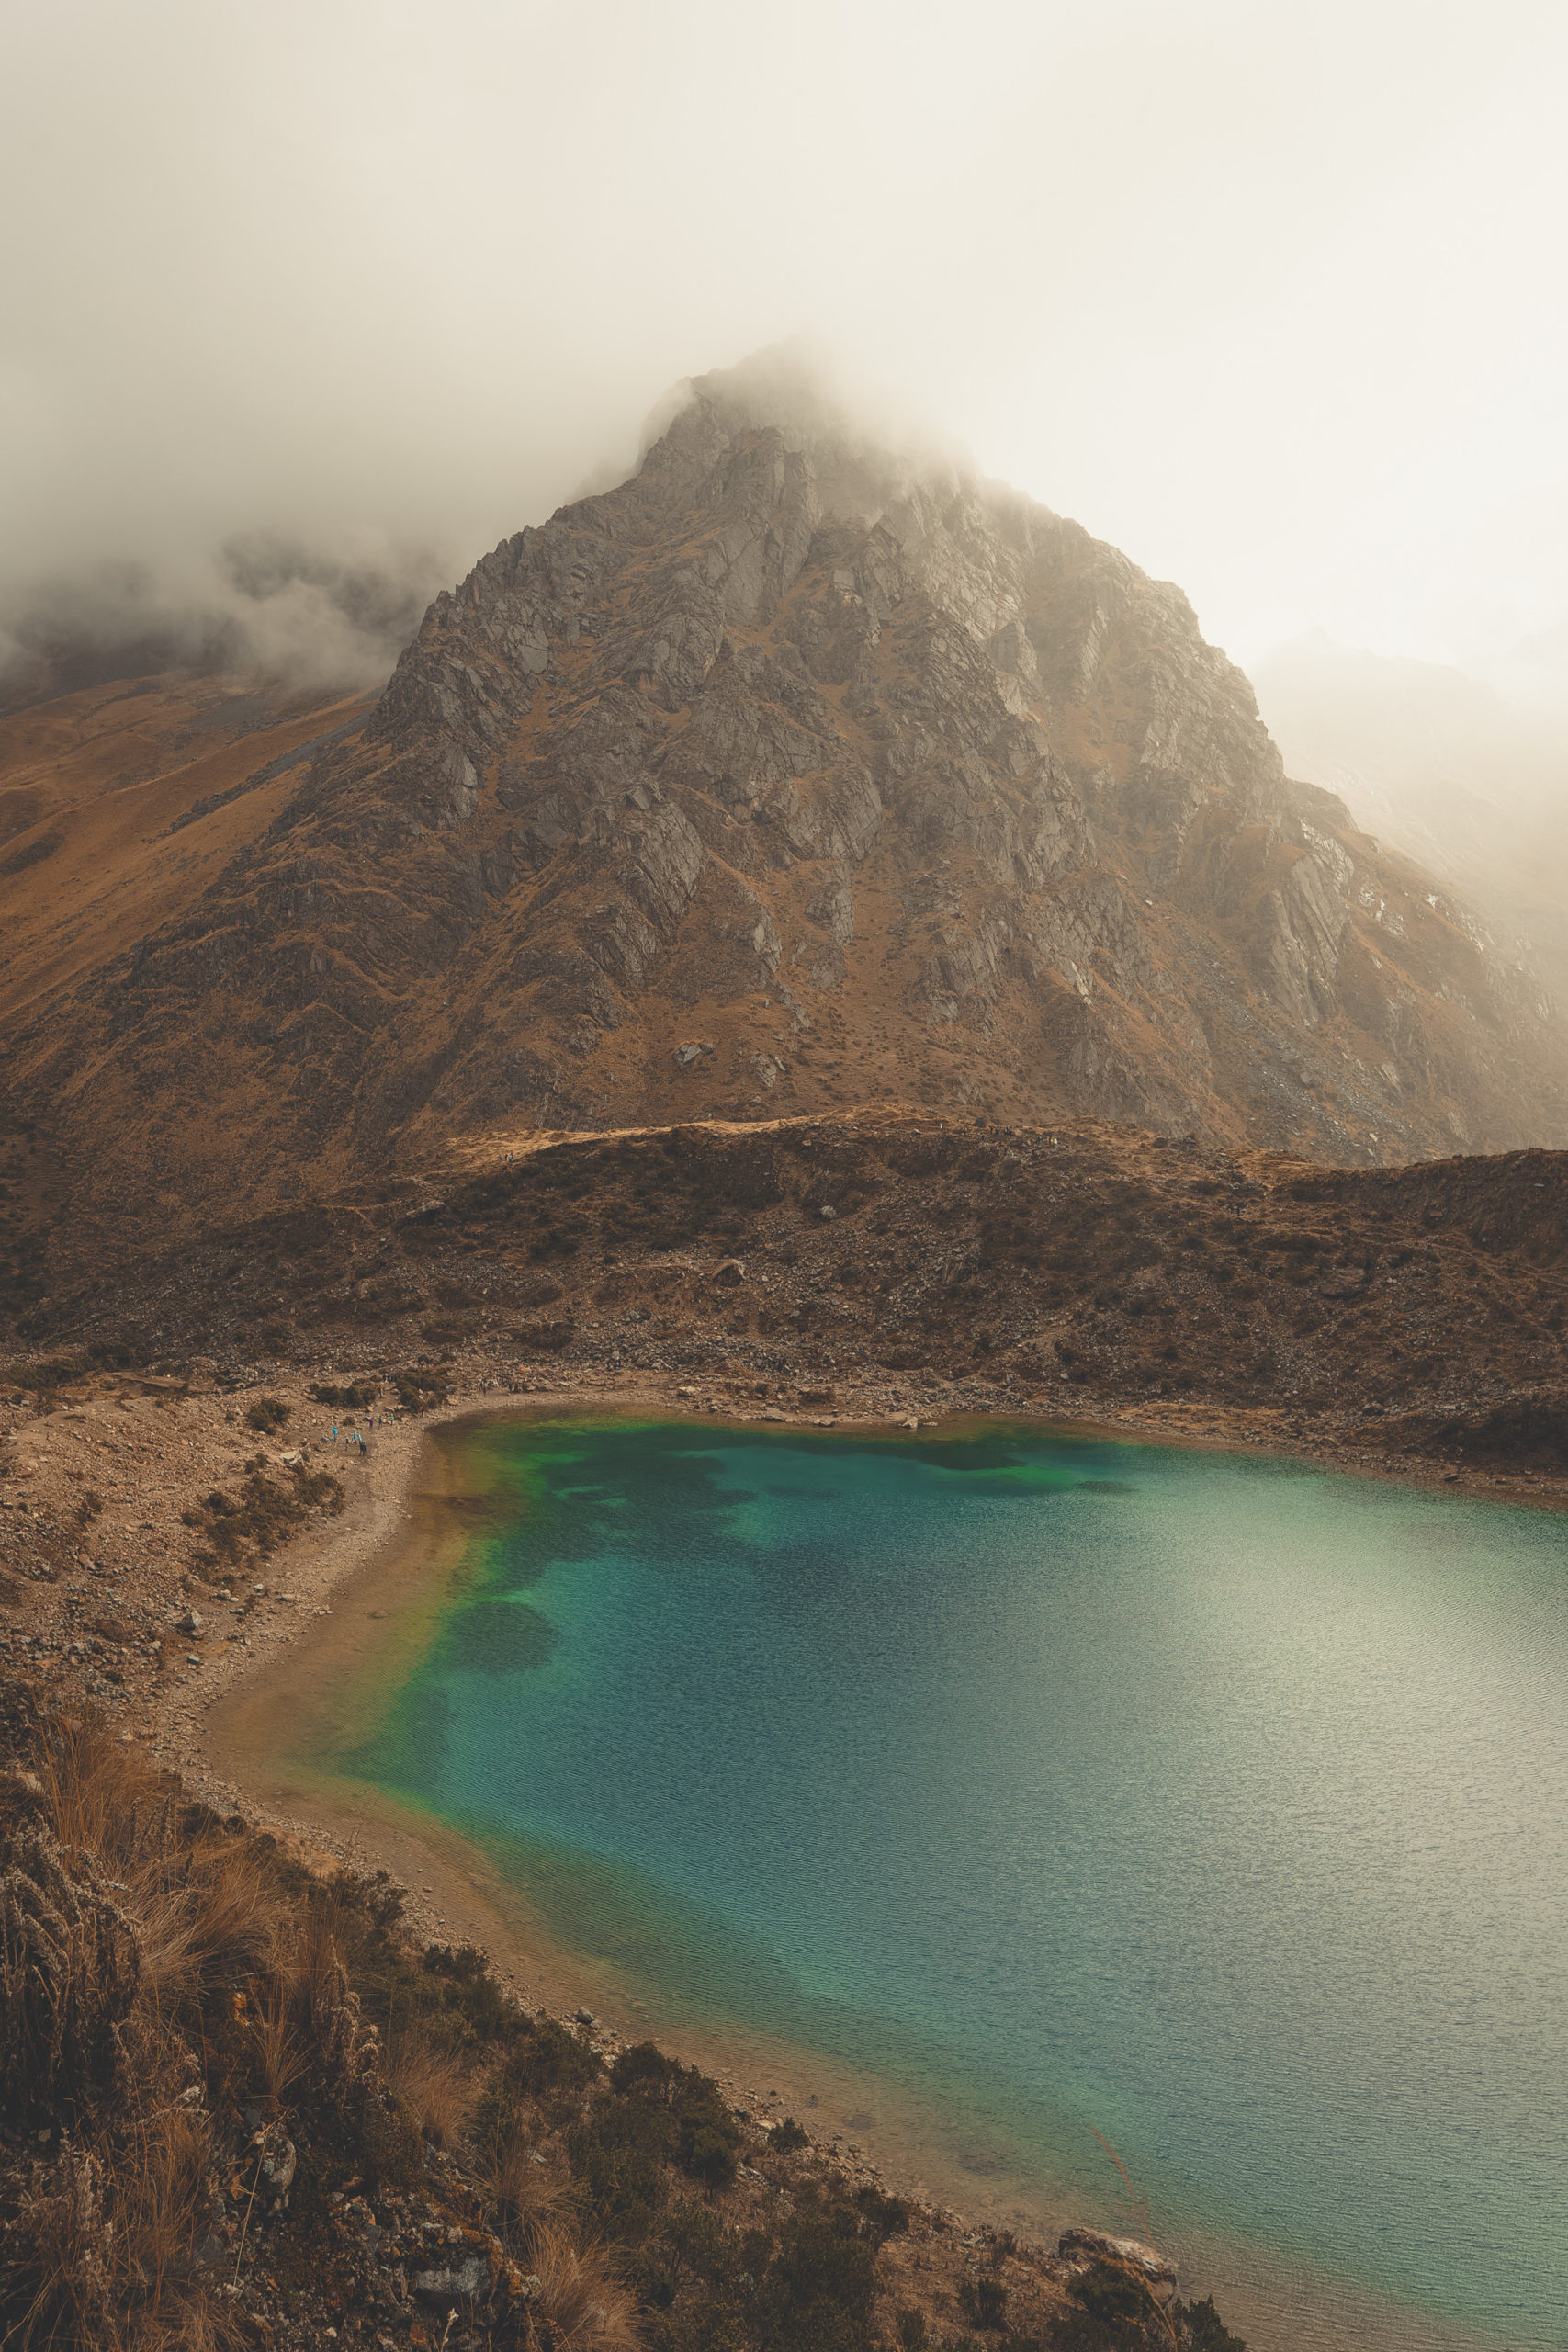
(260, 606)
(311, 594)
(319, 610)
(382, 274)
(1466, 774)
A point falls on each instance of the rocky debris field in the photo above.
(241, 2104)
(139, 1516)
(877, 1264)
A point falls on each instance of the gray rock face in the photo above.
(462, 2281)
(789, 735)
(1081, 2247)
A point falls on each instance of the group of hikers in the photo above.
(354, 1435)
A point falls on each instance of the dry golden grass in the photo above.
(205, 1914)
(281, 2052)
(186, 1936)
(302, 2013)
(310, 1958)
(526, 2195)
(433, 2084)
(104, 2253)
(234, 1913)
(103, 1798)
(206, 1921)
(580, 2295)
(109, 2251)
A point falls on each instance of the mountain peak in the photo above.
(800, 769)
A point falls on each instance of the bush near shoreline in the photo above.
(242, 2107)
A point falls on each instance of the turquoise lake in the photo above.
(1213, 1804)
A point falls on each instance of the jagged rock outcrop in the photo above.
(884, 781)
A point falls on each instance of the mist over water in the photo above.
(1217, 1806)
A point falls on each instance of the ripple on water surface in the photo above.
(1212, 1804)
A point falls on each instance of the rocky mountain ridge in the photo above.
(791, 773)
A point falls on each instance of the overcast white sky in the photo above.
(1272, 296)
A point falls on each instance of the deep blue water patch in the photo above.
(1217, 1805)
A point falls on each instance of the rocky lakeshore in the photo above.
(348, 2193)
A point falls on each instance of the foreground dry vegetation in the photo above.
(243, 2107)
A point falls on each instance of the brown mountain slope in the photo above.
(788, 776)
(119, 805)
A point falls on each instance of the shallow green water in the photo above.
(1217, 1805)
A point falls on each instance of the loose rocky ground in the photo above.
(882, 1262)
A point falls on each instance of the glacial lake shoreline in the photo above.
(325, 1693)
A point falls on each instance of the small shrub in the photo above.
(881, 2217)
(1199, 2328)
(697, 2128)
(448, 1330)
(266, 1512)
(547, 2065)
(984, 2301)
(44, 1379)
(422, 1385)
(709, 2157)
(820, 2287)
(267, 1413)
(354, 1398)
(1117, 2312)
